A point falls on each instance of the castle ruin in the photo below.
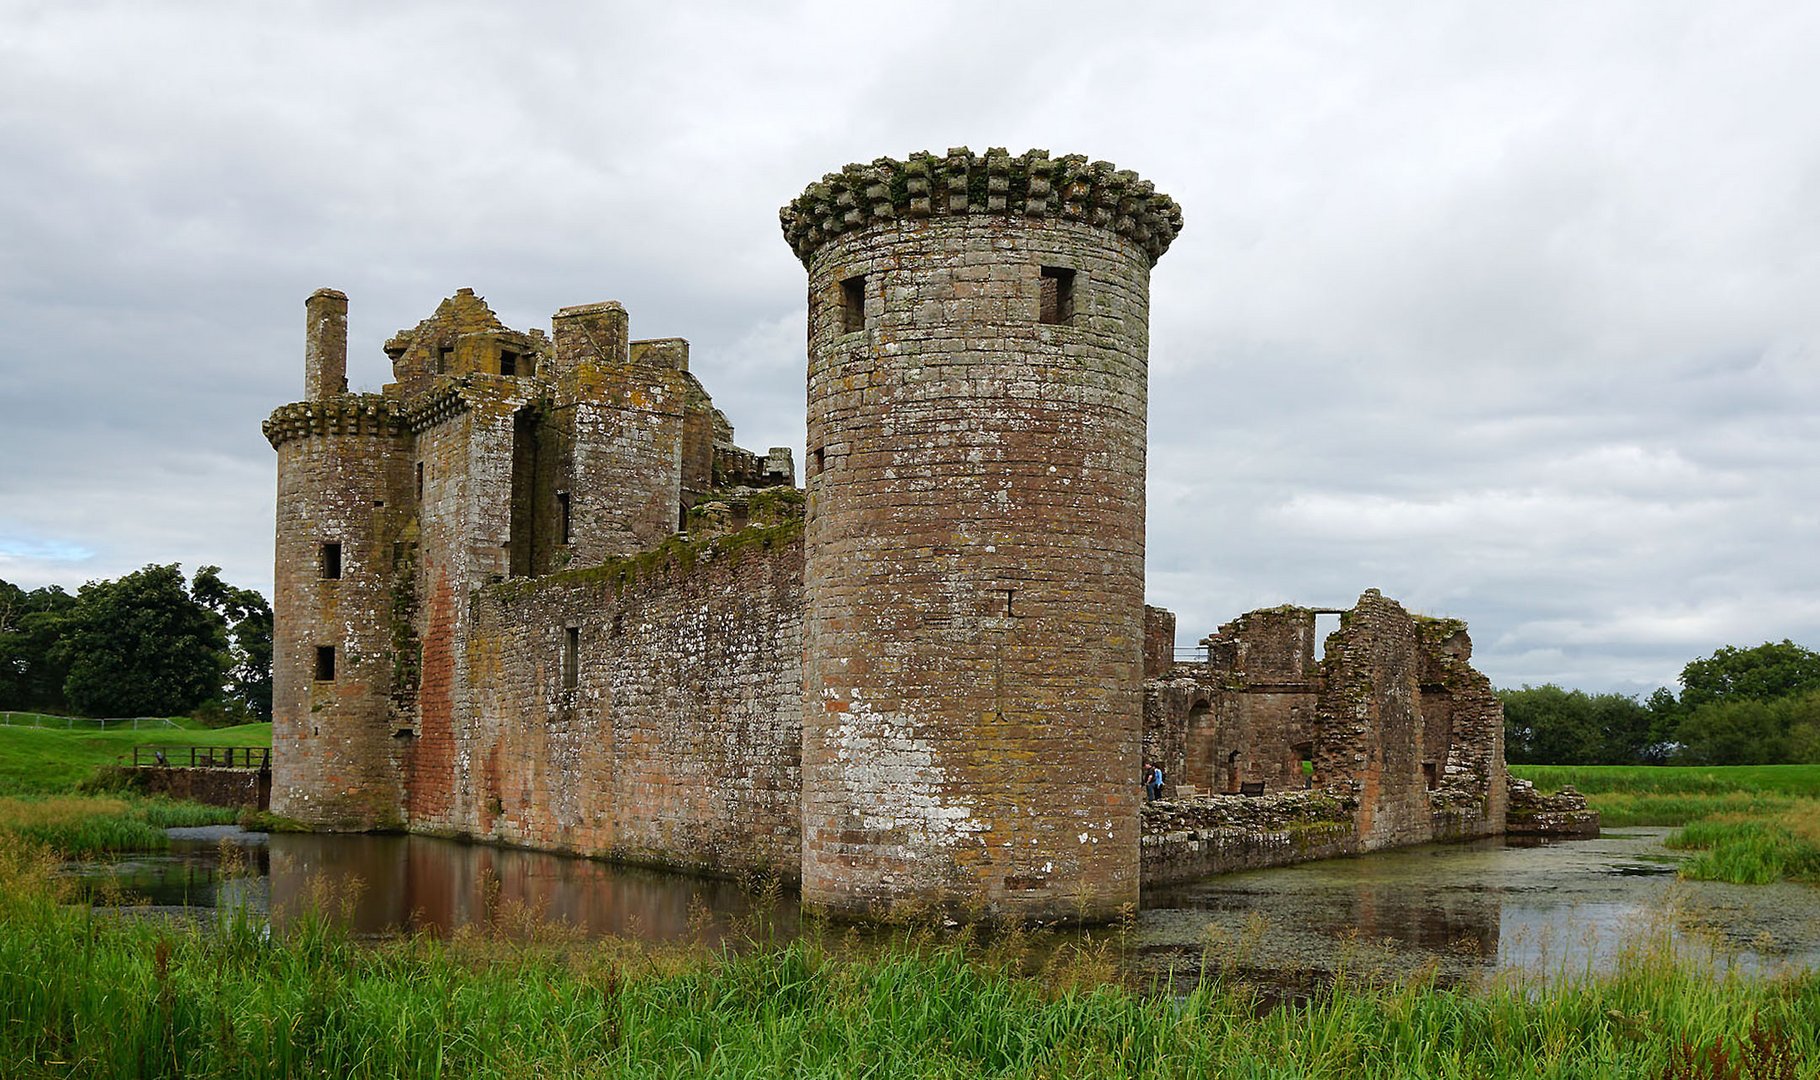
(533, 593)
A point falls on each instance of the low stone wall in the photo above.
(251, 788)
(1187, 839)
(1561, 816)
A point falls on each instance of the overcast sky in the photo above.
(1509, 310)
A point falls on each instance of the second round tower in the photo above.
(978, 342)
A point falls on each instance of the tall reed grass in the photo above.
(76, 826)
(86, 994)
(1754, 850)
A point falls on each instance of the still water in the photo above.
(1465, 909)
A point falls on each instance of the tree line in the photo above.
(1756, 706)
(146, 644)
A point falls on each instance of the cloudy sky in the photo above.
(1509, 310)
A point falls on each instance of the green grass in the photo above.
(41, 768)
(1754, 850)
(43, 761)
(1628, 795)
(1797, 780)
(1747, 824)
(88, 994)
(80, 826)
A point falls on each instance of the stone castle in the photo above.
(533, 593)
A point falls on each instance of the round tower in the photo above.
(335, 597)
(973, 636)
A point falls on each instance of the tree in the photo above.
(142, 646)
(1548, 725)
(31, 674)
(248, 619)
(1740, 732)
(1763, 673)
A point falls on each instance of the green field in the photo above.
(53, 760)
(1802, 780)
(1747, 824)
(41, 769)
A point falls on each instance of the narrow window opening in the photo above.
(331, 560)
(445, 358)
(378, 504)
(562, 511)
(1056, 303)
(1429, 775)
(508, 362)
(853, 304)
(420, 481)
(325, 663)
(821, 460)
(397, 552)
(571, 657)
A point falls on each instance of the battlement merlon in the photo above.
(1031, 185)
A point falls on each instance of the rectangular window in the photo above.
(331, 560)
(420, 481)
(325, 663)
(1056, 303)
(562, 509)
(571, 657)
(445, 358)
(853, 304)
(508, 362)
(821, 461)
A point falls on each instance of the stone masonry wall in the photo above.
(975, 575)
(340, 468)
(679, 742)
(1371, 726)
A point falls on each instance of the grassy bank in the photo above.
(79, 826)
(41, 769)
(86, 994)
(1748, 824)
(48, 761)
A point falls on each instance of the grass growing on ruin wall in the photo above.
(89, 994)
(1747, 824)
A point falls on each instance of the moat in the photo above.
(1469, 910)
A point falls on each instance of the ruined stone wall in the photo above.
(1159, 641)
(341, 465)
(1190, 839)
(248, 788)
(1371, 729)
(975, 621)
(1459, 697)
(679, 741)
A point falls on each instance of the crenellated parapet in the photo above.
(343, 414)
(1032, 185)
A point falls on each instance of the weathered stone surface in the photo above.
(534, 593)
(974, 628)
(1188, 839)
(1563, 815)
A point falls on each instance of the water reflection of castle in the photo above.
(422, 884)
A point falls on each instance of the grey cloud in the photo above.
(1506, 310)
